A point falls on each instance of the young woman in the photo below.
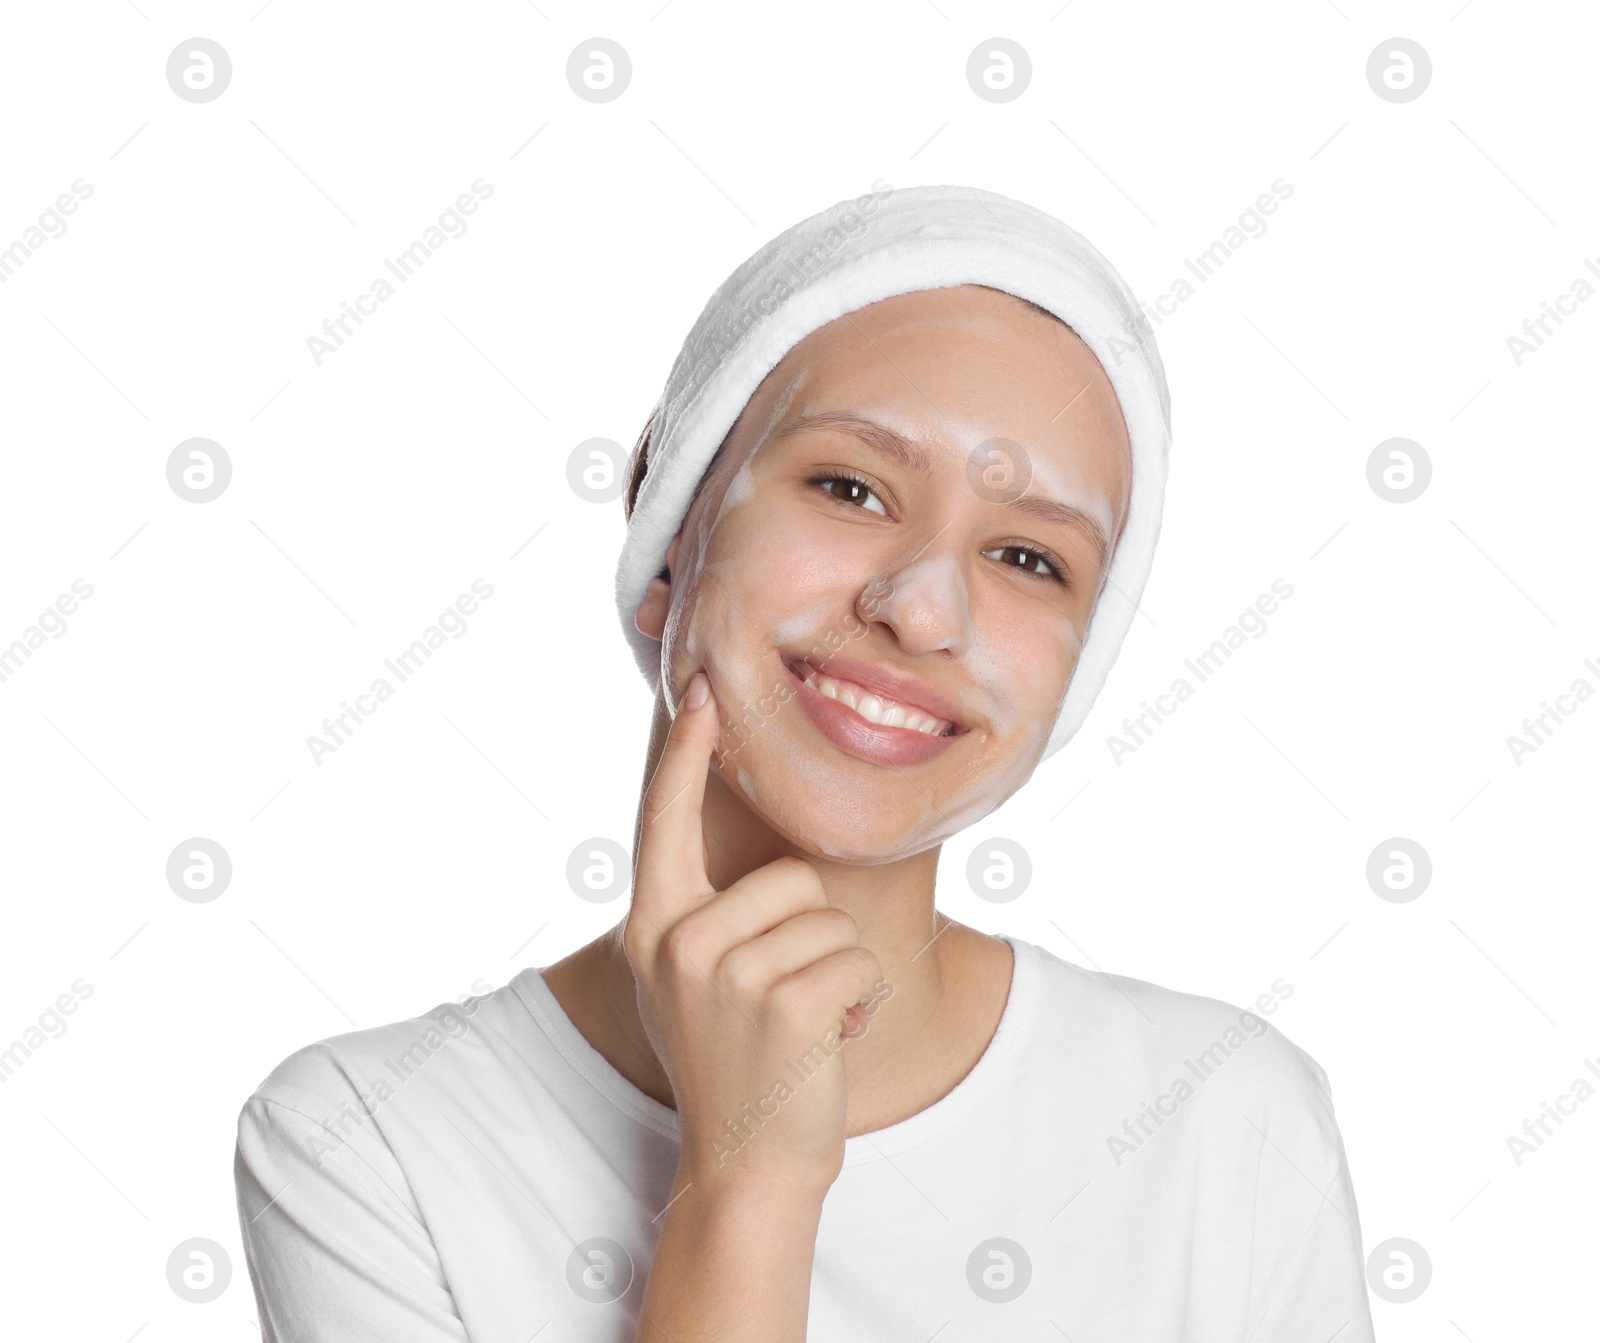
(786, 1097)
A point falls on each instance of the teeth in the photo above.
(876, 709)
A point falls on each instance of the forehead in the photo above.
(960, 313)
(953, 367)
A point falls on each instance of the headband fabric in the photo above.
(874, 247)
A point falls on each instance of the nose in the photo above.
(924, 600)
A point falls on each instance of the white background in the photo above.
(430, 851)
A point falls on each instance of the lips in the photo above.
(879, 710)
(897, 695)
(887, 683)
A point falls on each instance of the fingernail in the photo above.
(699, 690)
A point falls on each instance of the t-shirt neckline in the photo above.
(996, 1063)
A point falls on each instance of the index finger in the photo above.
(671, 868)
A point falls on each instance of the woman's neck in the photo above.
(946, 984)
(947, 998)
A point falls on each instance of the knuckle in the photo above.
(657, 803)
(839, 925)
(871, 966)
(688, 945)
(788, 1001)
(800, 872)
(858, 968)
(742, 973)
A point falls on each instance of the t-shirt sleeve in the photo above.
(1308, 1278)
(337, 1248)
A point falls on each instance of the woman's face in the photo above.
(862, 529)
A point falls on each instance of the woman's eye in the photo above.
(1030, 562)
(855, 492)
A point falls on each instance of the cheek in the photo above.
(1024, 664)
(784, 578)
(755, 582)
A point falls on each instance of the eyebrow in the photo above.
(885, 441)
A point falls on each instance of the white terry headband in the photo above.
(871, 248)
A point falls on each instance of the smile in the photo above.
(869, 723)
(879, 709)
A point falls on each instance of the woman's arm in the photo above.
(733, 986)
(732, 1264)
(1308, 1274)
(334, 1240)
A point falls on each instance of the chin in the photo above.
(862, 851)
(838, 820)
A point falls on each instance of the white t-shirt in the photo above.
(1125, 1163)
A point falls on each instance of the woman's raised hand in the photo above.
(746, 994)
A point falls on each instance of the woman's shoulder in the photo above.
(343, 1147)
(464, 1045)
(1152, 1035)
